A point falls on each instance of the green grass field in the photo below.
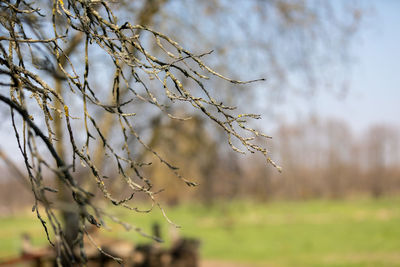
(359, 232)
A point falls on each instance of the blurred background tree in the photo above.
(296, 45)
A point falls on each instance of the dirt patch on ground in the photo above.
(384, 258)
(220, 263)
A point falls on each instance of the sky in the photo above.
(374, 79)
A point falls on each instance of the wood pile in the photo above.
(182, 253)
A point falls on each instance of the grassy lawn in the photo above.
(359, 232)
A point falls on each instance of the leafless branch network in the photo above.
(44, 80)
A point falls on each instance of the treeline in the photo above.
(325, 158)
(320, 159)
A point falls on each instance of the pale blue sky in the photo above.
(374, 95)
